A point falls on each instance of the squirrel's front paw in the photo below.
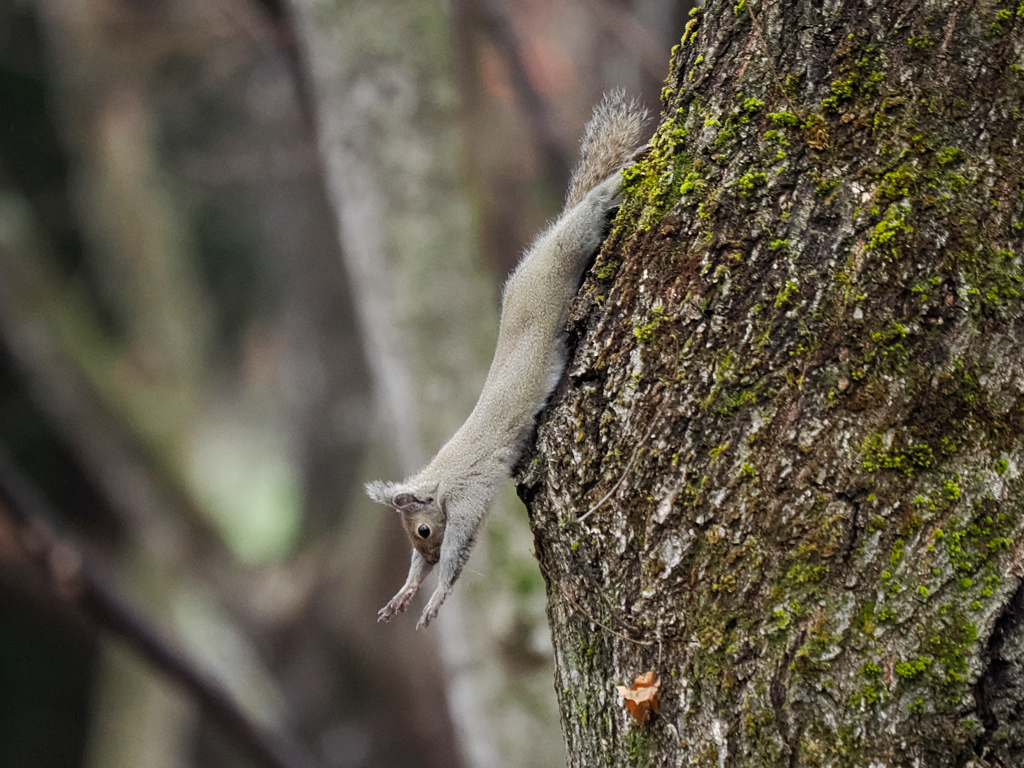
(433, 606)
(398, 604)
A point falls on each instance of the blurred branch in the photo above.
(73, 578)
(49, 331)
(556, 161)
(281, 20)
(55, 338)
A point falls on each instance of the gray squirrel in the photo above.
(443, 505)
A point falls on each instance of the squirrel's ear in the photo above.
(396, 497)
(404, 500)
(408, 502)
(380, 492)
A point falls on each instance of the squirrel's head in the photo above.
(422, 514)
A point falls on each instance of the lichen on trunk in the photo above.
(795, 406)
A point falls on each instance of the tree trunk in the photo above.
(792, 419)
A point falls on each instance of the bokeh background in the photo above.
(250, 257)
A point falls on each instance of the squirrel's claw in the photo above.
(433, 606)
(397, 605)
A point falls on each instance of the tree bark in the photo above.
(785, 470)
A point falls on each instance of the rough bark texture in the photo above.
(800, 377)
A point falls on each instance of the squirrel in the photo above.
(443, 505)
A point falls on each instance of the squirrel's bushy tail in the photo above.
(609, 142)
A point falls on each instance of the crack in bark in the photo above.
(998, 708)
(777, 697)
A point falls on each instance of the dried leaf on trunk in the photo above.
(642, 698)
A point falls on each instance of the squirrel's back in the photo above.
(609, 143)
(443, 505)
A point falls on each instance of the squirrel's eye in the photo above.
(423, 531)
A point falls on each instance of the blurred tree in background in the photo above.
(225, 234)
